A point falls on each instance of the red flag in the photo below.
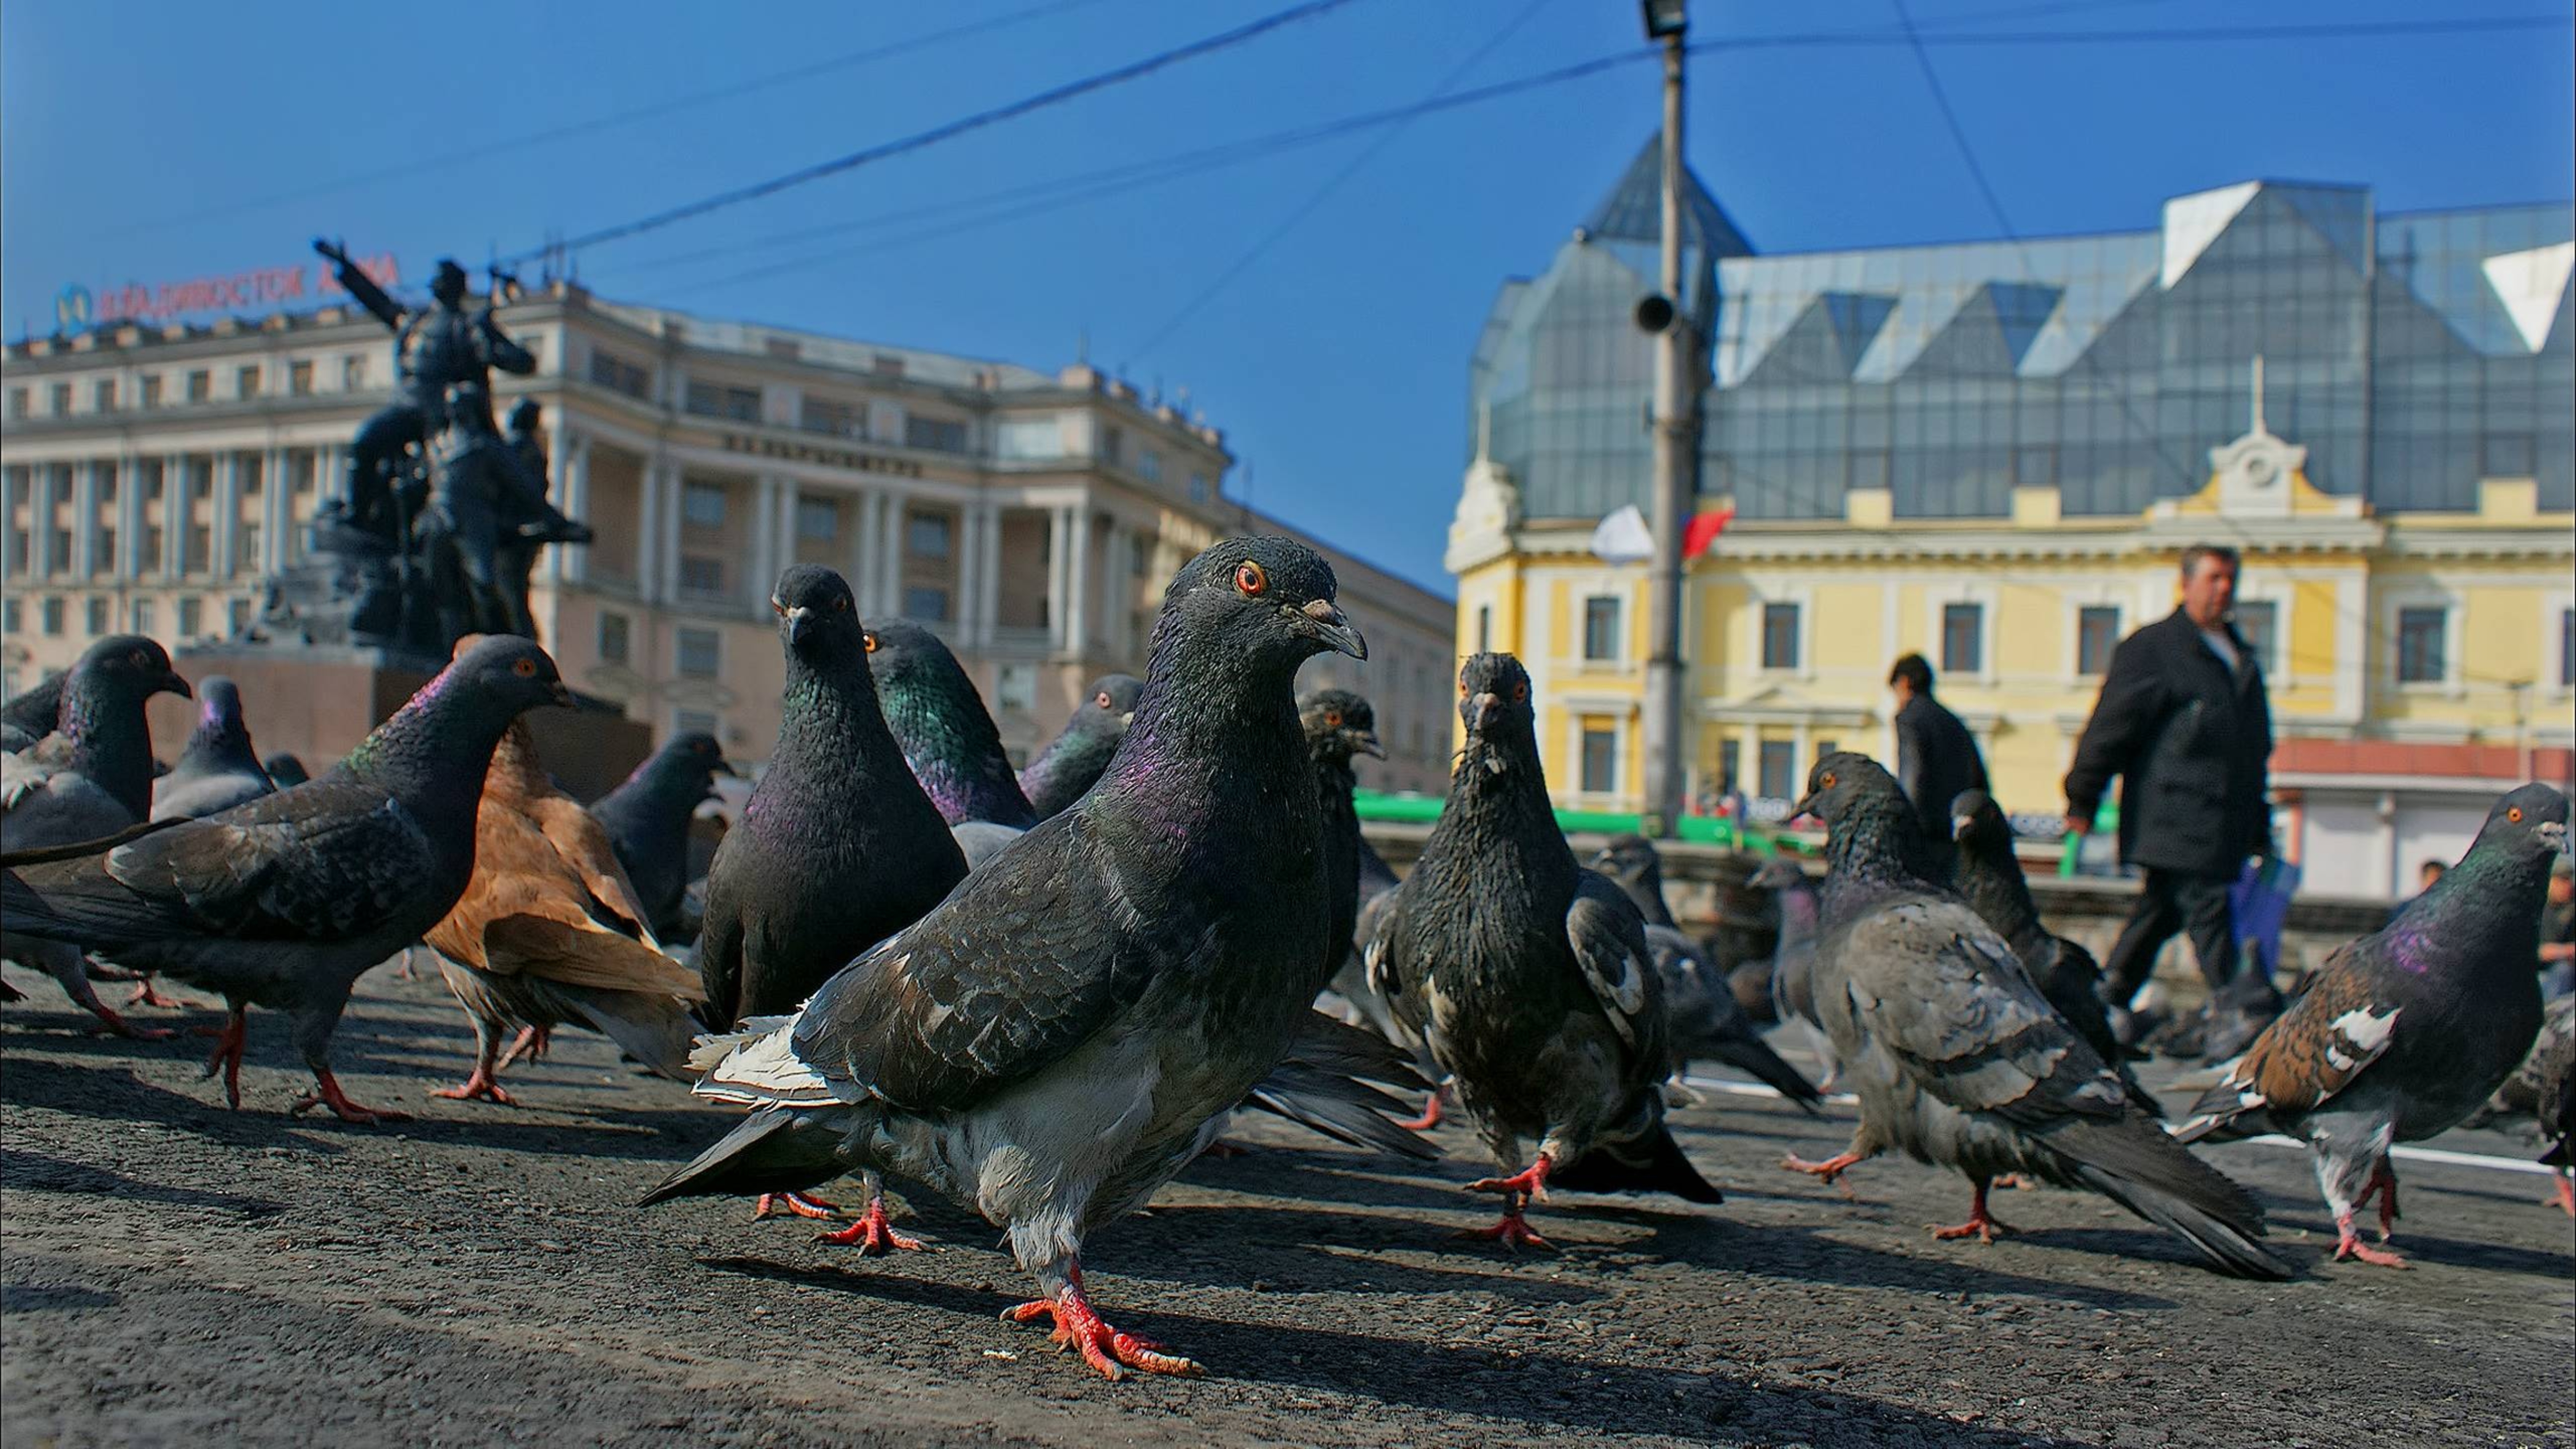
(1703, 531)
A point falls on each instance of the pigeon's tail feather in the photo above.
(1750, 1053)
(2131, 1161)
(1345, 1110)
(758, 1067)
(1652, 1163)
(774, 1150)
(652, 1029)
(1332, 1045)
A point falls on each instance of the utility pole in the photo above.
(1676, 443)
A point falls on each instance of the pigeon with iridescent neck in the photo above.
(218, 769)
(1072, 762)
(948, 738)
(2402, 1034)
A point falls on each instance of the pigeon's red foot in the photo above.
(477, 1088)
(327, 1093)
(2018, 1182)
(1432, 1112)
(530, 1043)
(1981, 1225)
(1103, 1347)
(1512, 1232)
(873, 1233)
(230, 1038)
(1529, 1182)
(144, 995)
(2383, 1185)
(794, 1204)
(2348, 1244)
(2565, 1198)
(110, 1021)
(1830, 1170)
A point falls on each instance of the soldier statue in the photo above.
(435, 348)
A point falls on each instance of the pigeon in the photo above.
(285, 769)
(1960, 1061)
(2401, 1034)
(29, 715)
(1989, 877)
(948, 738)
(2551, 1070)
(1337, 725)
(647, 820)
(1074, 759)
(1793, 960)
(88, 779)
(218, 770)
(1067, 1029)
(549, 930)
(1530, 977)
(286, 900)
(1633, 864)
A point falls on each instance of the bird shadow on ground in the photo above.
(54, 1297)
(2425, 1249)
(1802, 1252)
(1577, 1394)
(111, 1095)
(35, 1172)
(1203, 1244)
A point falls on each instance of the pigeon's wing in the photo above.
(324, 861)
(205, 795)
(1610, 948)
(1017, 968)
(583, 846)
(1936, 987)
(720, 931)
(2331, 1033)
(43, 801)
(529, 910)
(1383, 968)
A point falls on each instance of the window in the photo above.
(613, 638)
(192, 617)
(1113, 444)
(1600, 759)
(1198, 488)
(818, 519)
(701, 653)
(1484, 628)
(102, 396)
(143, 616)
(58, 551)
(299, 377)
(107, 546)
(50, 612)
(62, 399)
(353, 372)
(840, 419)
(714, 400)
(1601, 627)
(236, 616)
(1779, 636)
(201, 549)
(2420, 639)
(700, 574)
(2505, 455)
(2567, 649)
(1040, 437)
(926, 603)
(155, 547)
(703, 505)
(938, 434)
(695, 722)
(1779, 770)
(1730, 764)
(2260, 622)
(17, 402)
(152, 391)
(1149, 464)
(246, 381)
(1015, 688)
(1963, 638)
(925, 535)
(1824, 748)
(2097, 633)
(619, 375)
(10, 620)
(201, 385)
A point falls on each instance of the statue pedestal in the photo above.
(318, 701)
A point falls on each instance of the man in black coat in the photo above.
(2183, 717)
(1936, 756)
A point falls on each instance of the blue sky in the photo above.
(156, 141)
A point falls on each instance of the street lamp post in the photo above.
(1676, 440)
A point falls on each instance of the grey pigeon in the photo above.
(218, 769)
(948, 738)
(1793, 960)
(1337, 725)
(1989, 877)
(1073, 760)
(2403, 1033)
(29, 714)
(1530, 977)
(88, 779)
(647, 820)
(285, 769)
(1067, 1029)
(1636, 866)
(286, 900)
(2551, 1070)
(1960, 1061)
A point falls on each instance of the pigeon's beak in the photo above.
(2553, 832)
(171, 683)
(1481, 711)
(1319, 619)
(725, 767)
(1126, 719)
(1806, 806)
(1960, 825)
(1365, 742)
(582, 702)
(799, 625)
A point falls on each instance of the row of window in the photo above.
(142, 616)
(196, 385)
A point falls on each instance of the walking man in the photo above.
(1936, 756)
(2184, 722)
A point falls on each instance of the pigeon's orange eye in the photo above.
(1828, 780)
(2514, 814)
(1332, 719)
(1251, 579)
(840, 603)
(139, 659)
(872, 641)
(1101, 699)
(1520, 692)
(524, 668)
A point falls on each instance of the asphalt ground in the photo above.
(174, 1272)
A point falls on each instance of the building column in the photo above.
(648, 529)
(1059, 536)
(768, 539)
(277, 511)
(227, 512)
(862, 564)
(968, 623)
(40, 520)
(174, 516)
(988, 603)
(571, 562)
(85, 521)
(889, 570)
(1080, 583)
(666, 570)
(129, 561)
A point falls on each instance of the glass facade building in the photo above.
(2411, 354)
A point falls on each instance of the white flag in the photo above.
(1623, 538)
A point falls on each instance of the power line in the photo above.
(1053, 96)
